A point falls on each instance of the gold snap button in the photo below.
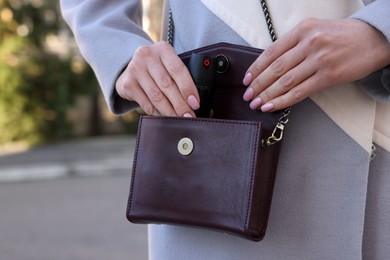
(185, 146)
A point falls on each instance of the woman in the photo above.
(331, 195)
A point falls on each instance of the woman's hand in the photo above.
(315, 54)
(159, 82)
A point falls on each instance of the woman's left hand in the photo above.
(315, 54)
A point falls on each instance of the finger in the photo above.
(278, 68)
(169, 88)
(275, 50)
(155, 95)
(180, 74)
(295, 95)
(285, 83)
(136, 93)
(128, 88)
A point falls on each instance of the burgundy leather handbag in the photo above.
(218, 172)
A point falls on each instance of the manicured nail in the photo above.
(194, 104)
(256, 103)
(249, 93)
(187, 115)
(267, 107)
(247, 79)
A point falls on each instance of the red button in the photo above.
(206, 62)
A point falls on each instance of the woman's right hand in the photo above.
(159, 82)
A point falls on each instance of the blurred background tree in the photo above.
(40, 76)
(47, 91)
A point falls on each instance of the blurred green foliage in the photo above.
(40, 73)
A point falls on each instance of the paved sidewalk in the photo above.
(93, 156)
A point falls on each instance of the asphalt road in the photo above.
(70, 218)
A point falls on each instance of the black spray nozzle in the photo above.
(203, 71)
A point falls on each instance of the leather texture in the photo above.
(226, 182)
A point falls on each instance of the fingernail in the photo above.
(194, 104)
(267, 107)
(247, 79)
(249, 93)
(187, 115)
(256, 103)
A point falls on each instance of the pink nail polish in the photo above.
(247, 79)
(267, 107)
(249, 93)
(256, 103)
(194, 104)
(187, 115)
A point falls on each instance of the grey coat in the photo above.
(330, 201)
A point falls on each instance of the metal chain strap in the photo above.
(277, 133)
(171, 28)
(268, 20)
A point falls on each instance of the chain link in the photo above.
(373, 152)
(268, 20)
(171, 28)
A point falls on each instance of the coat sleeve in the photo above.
(107, 33)
(376, 14)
